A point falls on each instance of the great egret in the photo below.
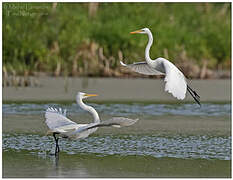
(175, 82)
(60, 125)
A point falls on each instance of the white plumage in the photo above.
(58, 123)
(56, 118)
(175, 81)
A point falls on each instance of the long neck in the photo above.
(89, 109)
(147, 51)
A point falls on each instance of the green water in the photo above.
(24, 164)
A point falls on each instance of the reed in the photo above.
(82, 39)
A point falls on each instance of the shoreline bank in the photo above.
(115, 89)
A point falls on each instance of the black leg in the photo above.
(57, 149)
(57, 146)
(195, 96)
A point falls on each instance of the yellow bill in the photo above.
(91, 95)
(135, 32)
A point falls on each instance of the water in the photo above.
(167, 136)
(127, 109)
(191, 147)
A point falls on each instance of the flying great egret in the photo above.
(175, 82)
(60, 125)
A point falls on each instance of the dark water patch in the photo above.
(185, 147)
(127, 109)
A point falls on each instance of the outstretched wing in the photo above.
(175, 82)
(114, 122)
(142, 68)
(56, 118)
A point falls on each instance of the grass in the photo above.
(63, 39)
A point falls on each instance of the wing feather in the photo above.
(142, 68)
(175, 82)
(114, 122)
(57, 118)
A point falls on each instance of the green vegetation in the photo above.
(74, 39)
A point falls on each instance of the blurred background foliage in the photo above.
(89, 39)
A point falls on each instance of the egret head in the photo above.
(82, 95)
(141, 31)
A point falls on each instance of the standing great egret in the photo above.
(59, 124)
(175, 82)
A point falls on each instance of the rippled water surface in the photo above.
(200, 151)
(128, 109)
(194, 147)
